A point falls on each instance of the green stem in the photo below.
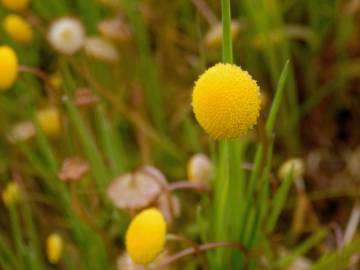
(226, 28)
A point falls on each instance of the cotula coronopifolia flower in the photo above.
(200, 170)
(18, 29)
(9, 66)
(145, 236)
(11, 194)
(226, 101)
(66, 35)
(54, 248)
(15, 5)
(49, 121)
(296, 165)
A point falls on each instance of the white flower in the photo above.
(66, 35)
(101, 49)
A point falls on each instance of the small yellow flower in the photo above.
(8, 67)
(55, 81)
(49, 121)
(11, 194)
(226, 101)
(18, 29)
(145, 237)
(16, 5)
(54, 247)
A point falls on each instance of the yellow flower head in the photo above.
(18, 29)
(54, 247)
(49, 121)
(16, 5)
(145, 237)
(226, 101)
(8, 67)
(11, 194)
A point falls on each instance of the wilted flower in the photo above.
(15, 5)
(200, 170)
(8, 67)
(11, 194)
(226, 101)
(84, 97)
(297, 166)
(101, 49)
(54, 248)
(115, 28)
(170, 207)
(66, 35)
(145, 236)
(135, 190)
(124, 262)
(73, 169)
(49, 121)
(18, 29)
(21, 132)
(213, 38)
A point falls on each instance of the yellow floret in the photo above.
(54, 247)
(226, 101)
(16, 5)
(18, 29)
(8, 67)
(11, 194)
(145, 237)
(49, 121)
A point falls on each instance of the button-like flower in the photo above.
(49, 121)
(54, 247)
(200, 170)
(18, 29)
(15, 5)
(296, 165)
(145, 237)
(66, 35)
(11, 194)
(226, 101)
(8, 67)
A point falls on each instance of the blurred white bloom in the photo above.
(200, 170)
(21, 132)
(101, 49)
(296, 164)
(66, 35)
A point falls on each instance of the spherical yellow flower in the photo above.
(49, 121)
(54, 247)
(226, 101)
(11, 194)
(16, 5)
(8, 67)
(18, 29)
(145, 237)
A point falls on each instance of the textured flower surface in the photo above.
(145, 237)
(16, 5)
(8, 67)
(18, 29)
(226, 101)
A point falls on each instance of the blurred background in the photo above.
(74, 122)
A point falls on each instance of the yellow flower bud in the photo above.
(18, 29)
(55, 81)
(8, 67)
(11, 194)
(226, 101)
(145, 237)
(200, 170)
(54, 247)
(49, 121)
(16, 5)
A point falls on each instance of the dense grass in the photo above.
(303, 55)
